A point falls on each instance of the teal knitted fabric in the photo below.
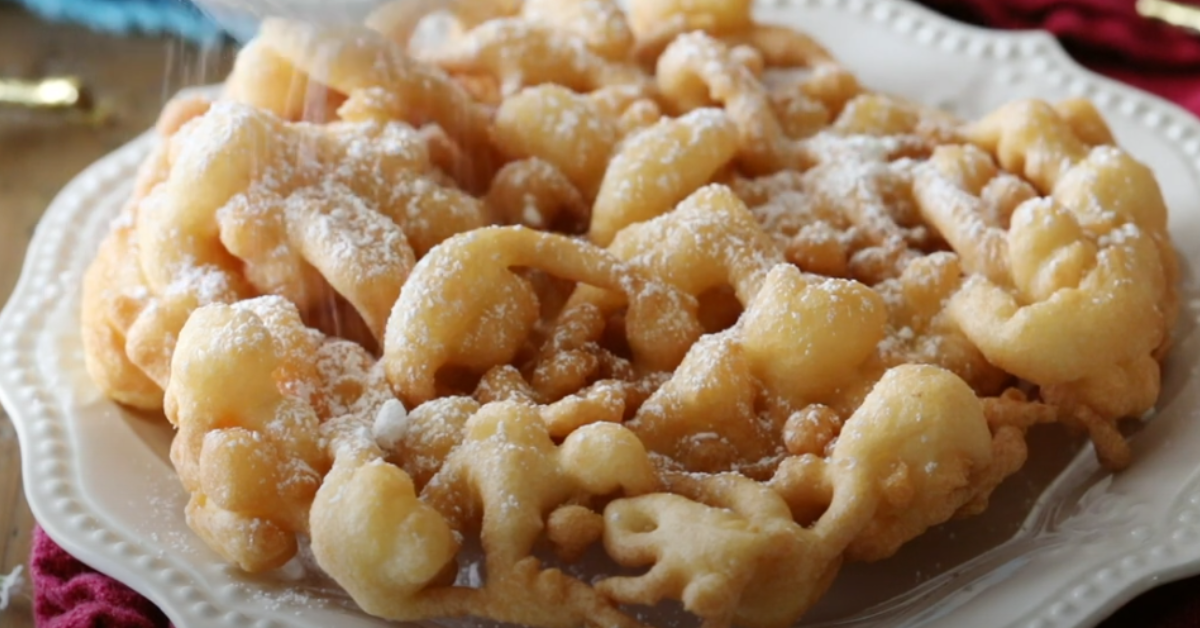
(177, 18)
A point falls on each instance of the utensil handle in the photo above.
(1173, 13)
(47, 93)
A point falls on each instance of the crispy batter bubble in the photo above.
(419, 440)
(249, 385)
(464, 307)
(1092, 287)
(920, 439)
(917, 452)
(507, 454)
(854, 317)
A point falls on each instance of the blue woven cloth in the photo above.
(177, 18)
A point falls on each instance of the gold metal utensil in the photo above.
(47, 93)
(1174, 13)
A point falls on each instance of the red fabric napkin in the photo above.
(69, 594)
(1105, 35)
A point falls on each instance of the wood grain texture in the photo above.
(39, 153)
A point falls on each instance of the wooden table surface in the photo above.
(40, 153)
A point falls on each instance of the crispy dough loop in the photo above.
(1073, 256)
(182, 258)
(921, 329)
(716, 244)
(507, 478)
(706, 548)
(114, 293)
(350, 60)
(656, 23)
(464, 307)
(566, 130)
(697, 69)
(521, 53)
(399, 20)
(827, 83)
(882, 488)
(852, 215)
(885, 115)
(265, 80)
(707, 416)
(918, 450)
(296, 229)
(659, 166)
(534, 193)
(802, 105)
(600, 23)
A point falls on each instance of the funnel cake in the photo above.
(577, 285)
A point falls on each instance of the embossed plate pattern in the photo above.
(99, 481)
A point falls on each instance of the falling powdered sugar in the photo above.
(11, 585)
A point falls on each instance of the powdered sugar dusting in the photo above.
(391, 424)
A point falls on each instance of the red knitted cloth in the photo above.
(69, 594)
(1105, 35)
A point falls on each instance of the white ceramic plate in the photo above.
(1063, 545)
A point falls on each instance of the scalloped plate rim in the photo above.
(139, 578)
